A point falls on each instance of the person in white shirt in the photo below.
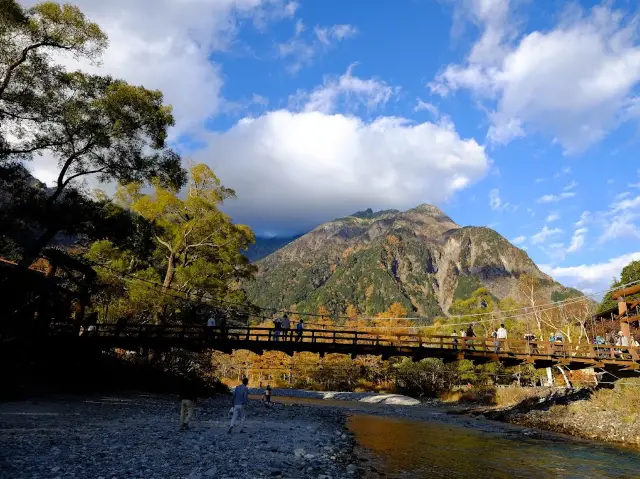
(501, 335)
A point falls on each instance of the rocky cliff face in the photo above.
(420, 258)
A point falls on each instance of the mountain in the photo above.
(420, 258)
(263, 247)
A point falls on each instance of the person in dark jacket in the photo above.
(188, 397)
(470, 334)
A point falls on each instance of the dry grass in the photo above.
(624, 399)
(485, 396)
(609, 415)
(512, 395)
(490, 396)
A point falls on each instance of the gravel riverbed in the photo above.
(137, 436)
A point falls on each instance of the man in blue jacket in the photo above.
(239, 401)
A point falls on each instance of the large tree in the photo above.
(85, 125)
(197, 247)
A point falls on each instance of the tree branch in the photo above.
(164, 243)
(23, 58)
(91, 172)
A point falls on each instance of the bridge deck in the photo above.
(257, 339)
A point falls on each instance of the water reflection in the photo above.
(423, 449)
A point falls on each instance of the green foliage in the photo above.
(466, 286)
(474, 305)
(188, 245)
(28, 37)
(566, 293)
(629, 274)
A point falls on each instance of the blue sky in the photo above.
(515, 114)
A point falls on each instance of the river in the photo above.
(431, 444)
(430, 449)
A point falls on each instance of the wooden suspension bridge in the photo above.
(619, 361)
(43, 309)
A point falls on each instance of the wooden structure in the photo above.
(626, 314)
(540, 354)
(55, 288)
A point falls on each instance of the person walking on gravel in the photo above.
(188, 396)
(239, 401)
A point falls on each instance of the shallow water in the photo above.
(414, 449)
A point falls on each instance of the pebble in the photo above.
(211, 472)
(138, 436)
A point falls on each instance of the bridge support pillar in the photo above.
(624, 325)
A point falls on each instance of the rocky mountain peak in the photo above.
(419, 258)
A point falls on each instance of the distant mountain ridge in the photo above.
(263, 247)
(420, 258)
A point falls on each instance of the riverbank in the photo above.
(371, 398)
(608, 415)
(137, 436)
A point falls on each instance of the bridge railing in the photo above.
(470, 346)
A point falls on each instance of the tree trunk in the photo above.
(36, 247)
(171, 270)
(161, 313)
(549, 377)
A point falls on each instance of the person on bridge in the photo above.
(470, 334)
(501, 336)
(285, 324)
(211, 327)
(121, 325)
(299, 330)
(239, 401)
(454, 341)
(277, 327)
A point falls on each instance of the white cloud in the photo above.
(626, 204)
(336, 33)
(622, 196)
(303, 49)
(563, 172)
(544, 234)
(347, 92)
(620, 220)
(571, 185)
(168, 46)
(425, 106)
(552, 217)
(293, 170)
(585, 217)
(594, 277)
(577, 240)
(556, 198)
(496, 203)
(573, 82)
(519, 240)
(621, 226)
